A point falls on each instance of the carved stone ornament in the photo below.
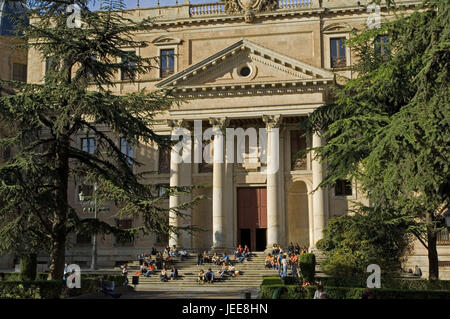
(249, 7)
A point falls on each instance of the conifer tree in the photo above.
(42, 121)
(388, 129)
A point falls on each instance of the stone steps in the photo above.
(252, 273)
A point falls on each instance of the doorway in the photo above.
(252, 217)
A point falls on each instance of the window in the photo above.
(298, 143)
(90, 67)
(443, 237)
(167, 63)
(87, 190)
(343, 187)
(128, 73)
(125, 240)
(127, 149)
(164, 157)
(50, 64)
(88, 145)
(19, 72)
(338, 57)
(381, 46)
(162, 188)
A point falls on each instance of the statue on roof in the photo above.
(249, 7)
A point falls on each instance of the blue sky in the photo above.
(131, 4)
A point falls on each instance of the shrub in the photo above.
(28, 267)
(297, 292)
(307, 264)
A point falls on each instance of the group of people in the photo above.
(279, 260)
(163, 261)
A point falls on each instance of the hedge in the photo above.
(394, 284)
(298, 292)
(53, 289)
(28, 267)
(307, 263)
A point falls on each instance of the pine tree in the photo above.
(43, 120)
(389, 128)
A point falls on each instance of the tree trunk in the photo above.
(57, 258)
(58, 249)
(433, 263)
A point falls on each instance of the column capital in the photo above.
(272, 121)
(174, 123)
(219, 122)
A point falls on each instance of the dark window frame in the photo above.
(343, 187)
(166, 70)
(340, 60)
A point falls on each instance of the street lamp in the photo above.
(94, 239)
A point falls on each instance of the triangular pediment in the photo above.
(245, 63)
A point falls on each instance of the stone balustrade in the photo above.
(206, 9)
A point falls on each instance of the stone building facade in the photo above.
(253, 64)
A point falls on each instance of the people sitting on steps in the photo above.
(201, 277)
(174, 273)
(183, 254)
(209, 276)
(150, 270)
(269, 261)
(163, 275)
(225, 258)
(206, 258)
(238, 251)
(199, 259)
(275, 249)
(215, 259)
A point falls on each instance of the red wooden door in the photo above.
(251, 214)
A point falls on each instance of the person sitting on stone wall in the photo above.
(275, 249)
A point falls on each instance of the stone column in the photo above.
(274, 218)
(218, 227)
(319, 193)
(180, 175)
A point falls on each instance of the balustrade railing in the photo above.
(206, 9)
(217, 8)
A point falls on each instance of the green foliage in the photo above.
(307, 263)
(388, 128)
(297, 292)
(52, 289)
(41, 121)
(28, 267)
(271, 281)
(351, 243)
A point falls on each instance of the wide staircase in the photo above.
(251, 275)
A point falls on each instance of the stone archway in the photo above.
(298, 223)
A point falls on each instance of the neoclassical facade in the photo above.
(243, 65)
